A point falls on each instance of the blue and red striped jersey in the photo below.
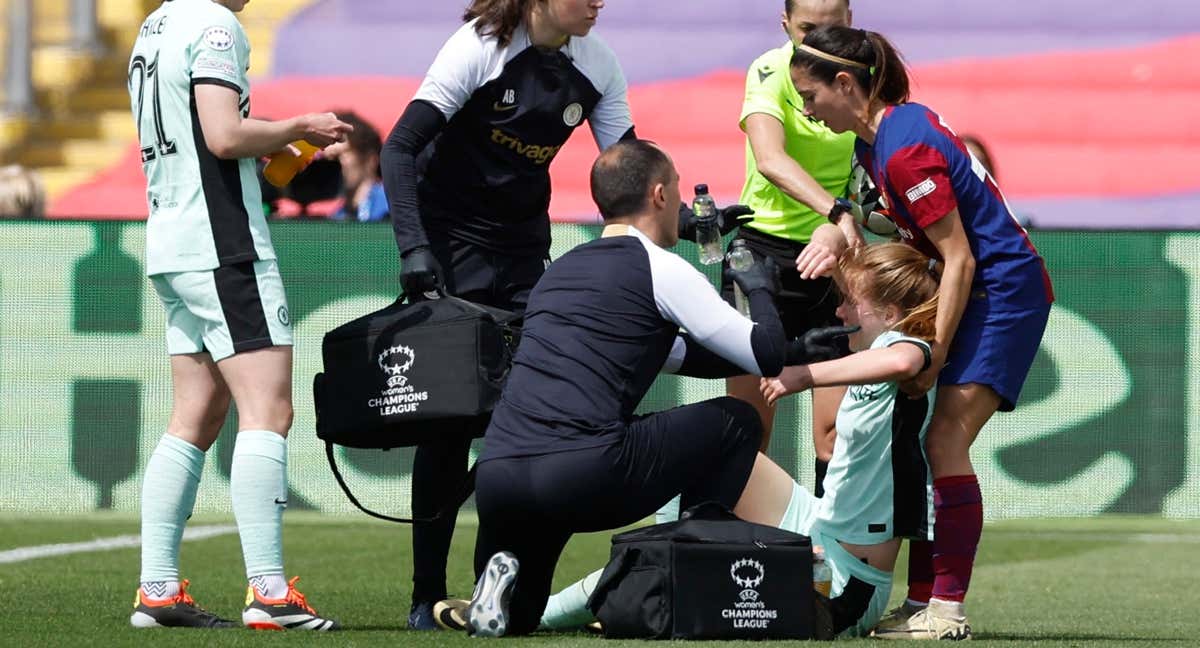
(926, 173)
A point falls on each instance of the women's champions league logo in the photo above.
(748, 574)
(399, 397)
(394, 361)
(749, 613)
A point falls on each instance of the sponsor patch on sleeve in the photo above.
(219, 38)
(922, 189)
(214, 66)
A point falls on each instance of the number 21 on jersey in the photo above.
(145, 73)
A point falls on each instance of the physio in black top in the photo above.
(564, 452)
(466, 170)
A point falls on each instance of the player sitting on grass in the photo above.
(877, 490)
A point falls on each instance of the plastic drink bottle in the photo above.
(822, 574)
(740, 258)
(708, 232)
(284, 166)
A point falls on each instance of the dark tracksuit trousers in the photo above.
(531, 505)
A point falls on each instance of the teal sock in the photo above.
(568, 608)
(168, 495)
(258, 487)
(669, 512)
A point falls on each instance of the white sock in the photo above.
(258, 488)
(568, 608)
(271, 586)
(948, 608)
(168, 494)
(161, 590)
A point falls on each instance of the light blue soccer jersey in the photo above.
(205, 212)
(878, 485)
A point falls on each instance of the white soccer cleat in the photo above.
(937, 622)
(487, 615)
(292, 612)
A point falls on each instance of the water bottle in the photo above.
(284, 166)
(822, 574)
(740, 258)
(708, 232)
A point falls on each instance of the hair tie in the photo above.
(832, 58)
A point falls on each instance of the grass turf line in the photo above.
(1095, 582)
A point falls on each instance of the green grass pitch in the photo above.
(1091, 582)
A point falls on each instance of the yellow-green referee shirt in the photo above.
(823, 153)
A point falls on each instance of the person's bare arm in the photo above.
(958, 272)
(767, 140)
(820, 257)
(893, 363)
(229, 136)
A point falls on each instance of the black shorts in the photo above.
(803, 303)
(486, 277)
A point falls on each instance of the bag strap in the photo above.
(468, 487)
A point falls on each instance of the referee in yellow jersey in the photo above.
(794, 169)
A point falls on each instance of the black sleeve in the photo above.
(767, 339)
(416, 128)
(699, 362)
(924, 349)
(629, 135)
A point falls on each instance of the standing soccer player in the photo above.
(209, 257)
(994, 296)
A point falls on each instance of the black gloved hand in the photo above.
(760, 276)
(420, 272)
(818, 344)
(728, 218)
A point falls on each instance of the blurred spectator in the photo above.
(313, 194)
(363, 198)
(981, 153)
(22, 194)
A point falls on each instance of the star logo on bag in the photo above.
(396, 360)
(747, 573)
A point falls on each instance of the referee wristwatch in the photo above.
(840, 206)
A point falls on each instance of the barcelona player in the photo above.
(995, 293)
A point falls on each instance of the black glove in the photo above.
(818, 344)
(728, 218)
(420, 272)
(760, 276)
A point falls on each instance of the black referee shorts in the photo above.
(803, 303)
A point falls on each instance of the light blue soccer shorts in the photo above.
(227, 310)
